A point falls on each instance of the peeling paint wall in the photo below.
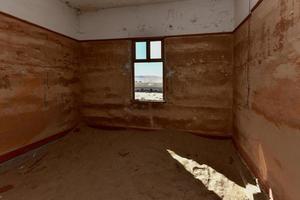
(267, 94)
(198, 80)
(38, 83)
(50, 14)
(175, 18)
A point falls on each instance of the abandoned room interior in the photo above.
(150, 100)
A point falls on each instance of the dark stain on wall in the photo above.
(4, 82)
(6, 188)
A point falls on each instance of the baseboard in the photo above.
(10, 155)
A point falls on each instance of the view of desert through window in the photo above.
(149, 81)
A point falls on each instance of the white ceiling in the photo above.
(91, 5)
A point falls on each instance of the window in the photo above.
(148, 71)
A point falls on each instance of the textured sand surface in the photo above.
(127, 164)
(144, 96)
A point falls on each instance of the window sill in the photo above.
(148, 102)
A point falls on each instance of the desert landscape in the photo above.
(148, 88)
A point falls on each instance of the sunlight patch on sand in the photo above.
(215, 181)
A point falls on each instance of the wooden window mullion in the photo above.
(148, 51)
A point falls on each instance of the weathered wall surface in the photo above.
(198, 80)
(38, 84)
(267, 94)
(163, 19)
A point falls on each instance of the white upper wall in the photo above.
(174, 18)
(253, 3)
(242, 9)
(51, 14)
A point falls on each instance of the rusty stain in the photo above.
(282, 25)
(5, 82)
(6, 188)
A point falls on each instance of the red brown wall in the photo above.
(198, 86)
(38, 83)
(267, 95)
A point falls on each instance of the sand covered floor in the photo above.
(94, 164)
(148, 96)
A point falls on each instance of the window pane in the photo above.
(155, 50)
(148, 81)
(141, 50)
